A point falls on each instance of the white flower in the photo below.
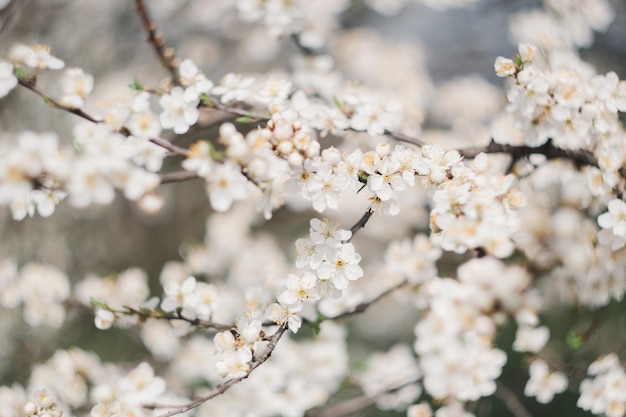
(341, 269)
(193, 79)
(144, 125)
(234, 363)
(282, 315)
(299, 289)
(544, 384)
(233, 88)
(76, 87)
(226, 185)
(7, 79)
(179, 110)
(275, 90)
(504, 67)
(104, 319)
(36, 57)
(615, 218)
(180, 295)
(528, 339)
(141, 386)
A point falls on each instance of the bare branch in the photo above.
(517, 152)
(344, 408)
(222, 388)
(511, 401)
(404, 138)
(361, 223)
(54, 103)
(174, 150)
(179, 176)
(166, 55)
(365, 305)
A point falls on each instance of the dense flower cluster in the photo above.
(463, 242)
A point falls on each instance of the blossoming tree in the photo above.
(461, 242)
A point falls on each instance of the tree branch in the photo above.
(360, 308)
(54, 103)
(166, 55)
(404, 138)
(178, 176)
(510, 400)
(361, 223)
(578, 157)
(349, 406)
(222, 388)
(173, 150)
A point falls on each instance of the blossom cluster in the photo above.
(326, 266)
(480, 241)
(604, 391)
(40, 289)
(454, 340)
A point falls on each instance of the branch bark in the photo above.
(222, 388)
(156, 39)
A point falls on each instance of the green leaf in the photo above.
(136, 85)
(206, 100)
(574, 341)
(244, 119)
(97, 303)
(519, 62)
(21, 74)
(337, 102)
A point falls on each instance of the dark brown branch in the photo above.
(179, 176)
(517, 152)
(166, 55)
(222, 388)
(511, 401)
(145, 314)
(361, 223)
(173, 150)
(593, 327)
(53, 103)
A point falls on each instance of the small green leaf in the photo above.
(574, 341)
(519, 62)
(244, 119)
(206, 100)
(21, 74)
(136, 85)
(337, 102)
(97, 303)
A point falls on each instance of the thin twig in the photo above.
(510, 400)
(166, 55)
(404, 138)
(360, 308)
(178, 176)
(174, 150)
(222, 388)
(517, 152)
(350, 406)
(54, 103)
(593, 327)
(361, 223)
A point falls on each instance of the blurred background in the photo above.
(442, 53)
